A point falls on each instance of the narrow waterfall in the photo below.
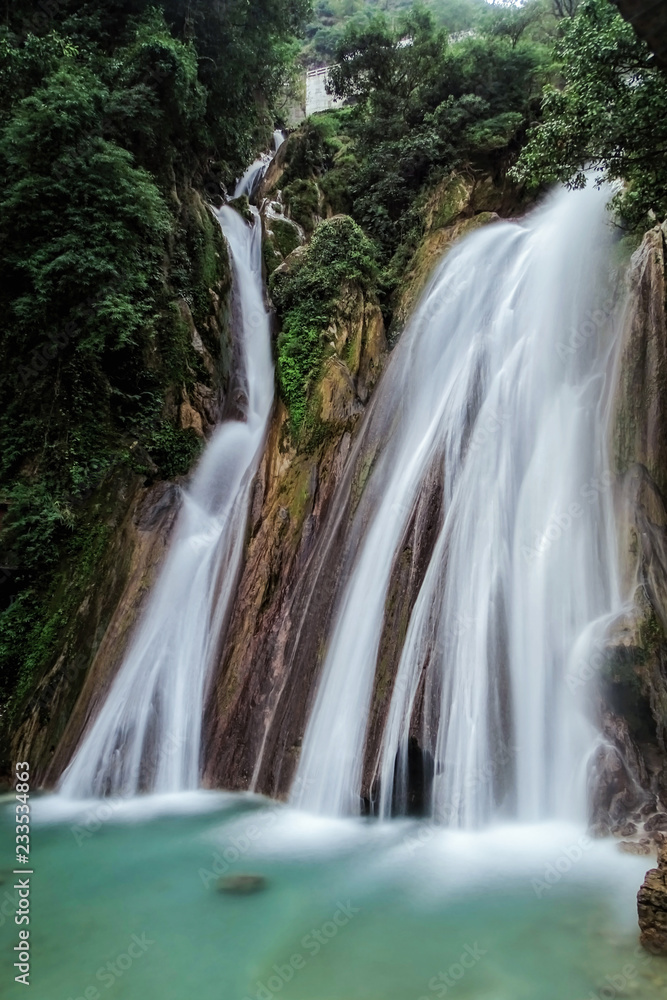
(253, 174)
(501, 385)
(147, 735)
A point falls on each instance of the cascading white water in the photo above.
(502, 383)
(147, 734)
(252, 176)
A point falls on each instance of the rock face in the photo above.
(303, 499)
(652, 907)
(134, 516)
(649, 20)
(259, 699)
(630, 772)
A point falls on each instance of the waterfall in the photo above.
(500, 383)
(147, 734)
(252, 178)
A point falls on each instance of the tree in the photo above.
(609, 117)
(565, 8)
(425, 107)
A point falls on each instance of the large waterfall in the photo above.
(147, 735)
(500, 385)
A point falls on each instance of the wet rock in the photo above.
(649, 807)
(634, 847)
(241, 884)
(657, 822)
(625, 830)
(339, 398)
(652, 907)
(599, 830)
(615, 794)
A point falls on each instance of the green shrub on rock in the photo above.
(304, 290)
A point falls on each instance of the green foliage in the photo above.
(174, 449)
(302, 200)
(285, 236)
(426, 106)
(332, 17)
(305, 293)
(109, 113)
(609, 116)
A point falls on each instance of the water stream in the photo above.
(125, 902)
(502, 387)
(147, 734)
(500, 384)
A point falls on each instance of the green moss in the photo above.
(451, 199)
(270, 256)
(199, 262)
(242, 206)
(286, 236)
(302, 200)
(305, 296)
(173, 449)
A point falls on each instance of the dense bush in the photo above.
(110, 113)
(304, 292)
(425, 106)
(608, 117)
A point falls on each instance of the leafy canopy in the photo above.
(304, 290)
(425, 106)
(608, 117)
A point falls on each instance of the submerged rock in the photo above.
(657, 822)
(626, 830)
(635, 847)
(652, 907)
(242, 884)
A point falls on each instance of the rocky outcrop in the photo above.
(303, 496)
(138, 547)
(649, 20)
(131, 517)
(633, 706)
(652, 907)
(458, 205)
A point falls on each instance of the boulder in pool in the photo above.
(652, 907)
(241, 884)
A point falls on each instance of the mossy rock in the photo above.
(242, 206)
(241, 884)
(447, 201)
(284, 235)
(302, 200)
(271, 257)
